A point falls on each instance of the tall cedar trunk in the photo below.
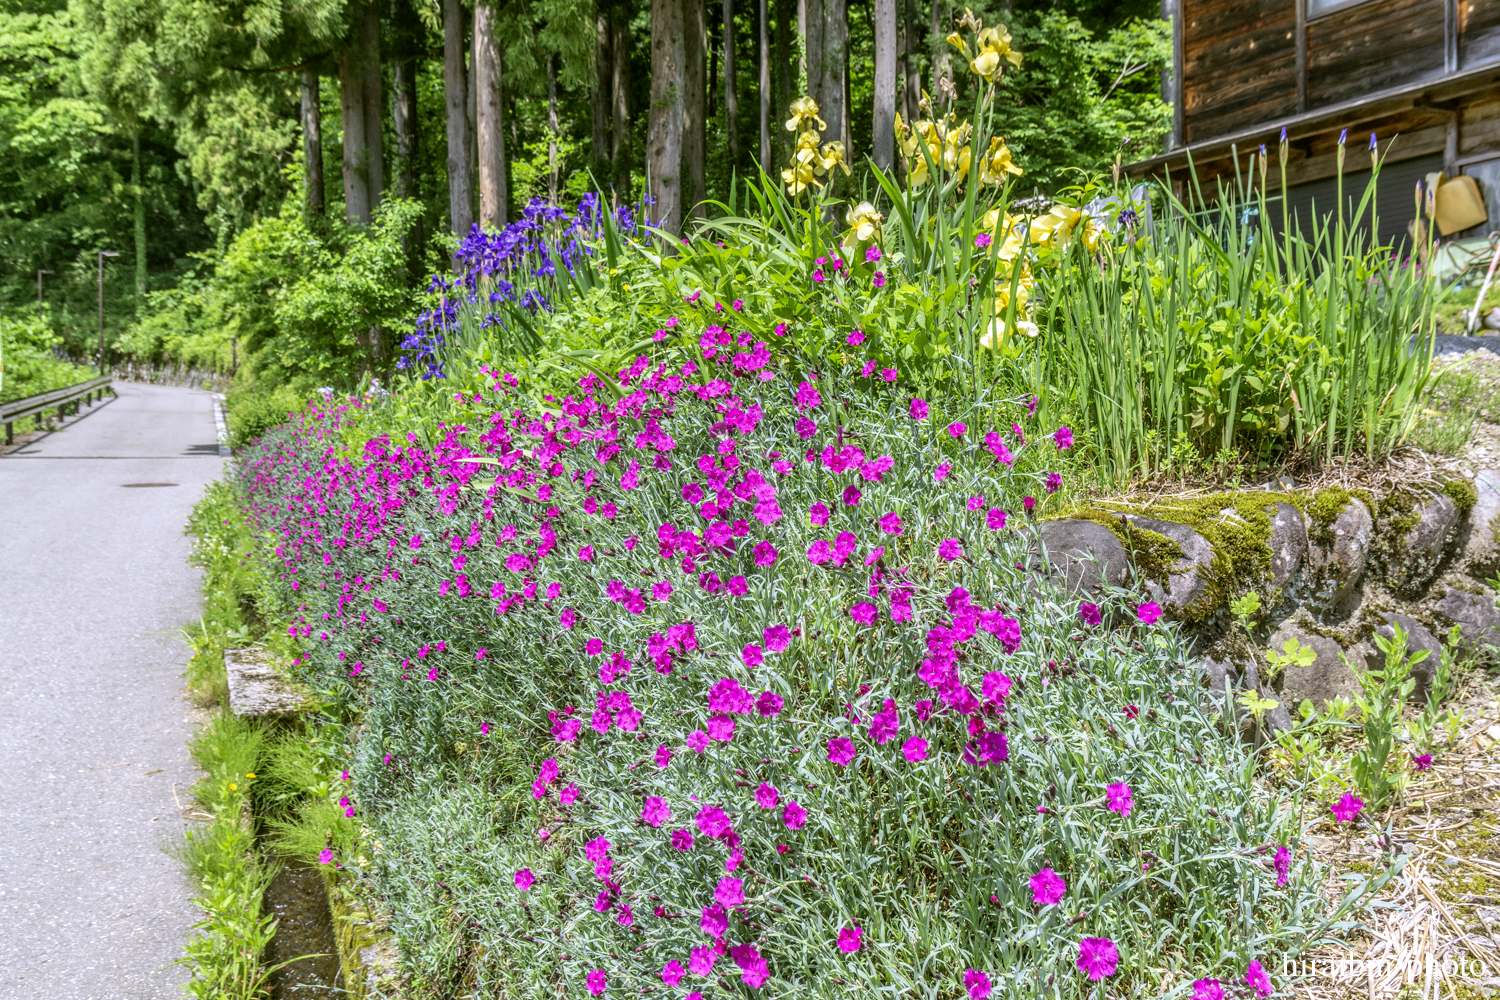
(373, 85)
(489, 118)
(848, 101)
(312, 141)
(827, 47)
(404, 115)
(356, 148)
(731, 89)
(765, 85)
(713, 74)
(664, 130)
(883, 137)
(914, 38)
(939, 50)
(552, 163)
(620, 98)
(599, 151)
(456, 108)
(138, 187)
(786, 12)
(694, 79)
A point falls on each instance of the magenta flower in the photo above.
(982, 240)
(915, 749)
(1131, 711)
(752, 656)
(818, 514)
(721, 728)
(1257, 980)
(1148, 613)
(1064, 438)
(1089, 613)
(849, 938)
(776, 638)
(682, 840)
(524, 879)
(807, 396)
(794, 816)
(978, 984)
(950, 549)
(598, 982)
(663, 755)
(879, 280)
(956, 429)
(852, 496)
(890, 523)
(995, 519)
(672, 973)
(941, 472)
(841, 751)
(586, 553)
(1054, 481)
(593, 647)
(712, 822)
(872, 254)
(1346, 808)
(1047, 887)
(730, 892)
(697, 741)
(766, 796)
(768, 704)
(1207, 989)
(715, 920)
(1097, 957)
(918, 409)
(701, 960)
(1283, 865)
(1422, 763)
(856, 338)
(884, 724)
(656, 811)
(568, 618)
(864, 612)
(1117, 796)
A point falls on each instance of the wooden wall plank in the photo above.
(1238, 64)
(1479, 27)
(1373, 47)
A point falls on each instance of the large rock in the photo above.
(1288, 543)
(1418, 638)
(1481, 552)
(257, 690)
(1328, 676)
(1334, 568)
(1084, 554)
(1474, 614)
(1187, 578)
(1415, 559)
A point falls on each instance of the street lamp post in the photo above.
(39, 273)
(102, 254)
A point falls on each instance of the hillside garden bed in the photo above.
(689, 626)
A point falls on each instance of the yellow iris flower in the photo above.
(804, 114)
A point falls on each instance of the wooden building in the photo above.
(1422, 75)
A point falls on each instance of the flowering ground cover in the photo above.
(713, 681)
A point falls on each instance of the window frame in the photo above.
(1338, 7)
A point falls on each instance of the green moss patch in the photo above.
(1237, 525)
(1462, 493)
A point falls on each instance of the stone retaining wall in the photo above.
(1333, 568)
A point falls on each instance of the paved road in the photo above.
(94, 586)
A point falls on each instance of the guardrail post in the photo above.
(10, 437)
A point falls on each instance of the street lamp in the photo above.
(102, 254)
(39, 274)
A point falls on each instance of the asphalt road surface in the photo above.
(94, 772)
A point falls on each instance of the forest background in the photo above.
(280, 178)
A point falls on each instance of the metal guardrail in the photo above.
(18, 409)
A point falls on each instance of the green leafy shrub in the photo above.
(27, 364)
